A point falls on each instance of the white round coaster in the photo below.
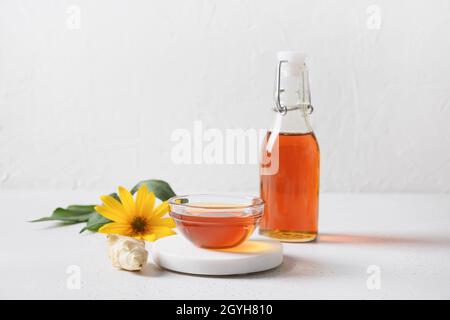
(177, 254)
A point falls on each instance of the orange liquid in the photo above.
(291, 195)
(218, 232)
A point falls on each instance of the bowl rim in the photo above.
(260, 202)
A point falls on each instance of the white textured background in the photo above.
(95, 107)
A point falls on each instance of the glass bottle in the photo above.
(289, 168)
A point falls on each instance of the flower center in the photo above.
(139, 225)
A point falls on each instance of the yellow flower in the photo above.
(138, 218)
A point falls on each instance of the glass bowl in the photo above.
(216, 221)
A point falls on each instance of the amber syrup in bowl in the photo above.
(216, 221)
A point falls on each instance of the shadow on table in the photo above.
(388, 240)
(292, 267)
(150, 270)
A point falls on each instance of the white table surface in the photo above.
(407, 236)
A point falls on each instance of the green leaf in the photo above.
(115, 196)
(86, 213)
(82, 208)
(95, 222)
(160, 188)
(74, 214)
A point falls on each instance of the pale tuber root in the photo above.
(127, 253)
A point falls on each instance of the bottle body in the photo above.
(290, 162)
(291, 195)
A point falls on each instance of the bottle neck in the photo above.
(293, 95)
(296, 120)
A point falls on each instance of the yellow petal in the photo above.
(110, 214)
(127, 200)
(165, 222)
(149, 237)
(140, 198)
(115, 206)
(149, 202)
(161, 231)
(115, 228)
(161, 210)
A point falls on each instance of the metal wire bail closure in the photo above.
(278, 90)
(280, 108)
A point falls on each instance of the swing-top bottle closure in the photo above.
(288, 94)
